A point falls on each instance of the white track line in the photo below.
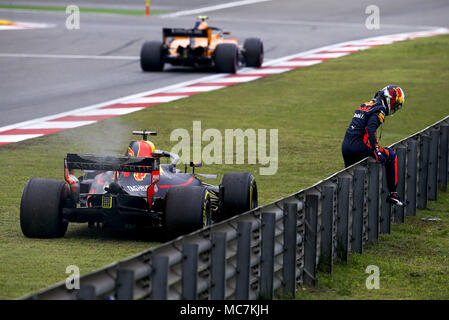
(238, 79)
(56, 124)
(327, 55)
(112, 112)
(304, 63)
(197, 88)
(211, 8)
(266, 71)
(154, 99)
(18, 137)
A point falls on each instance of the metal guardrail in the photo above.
(281, 244)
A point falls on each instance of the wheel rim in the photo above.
(207, 211)
(253, 196)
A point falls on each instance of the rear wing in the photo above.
(181, 32)
(111, 163)
(188, 33)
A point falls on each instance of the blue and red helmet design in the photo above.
(142, 148)
(392, 97)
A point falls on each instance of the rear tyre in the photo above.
(41, 208)
(151, 56)
(187, 209)
(238, 194)
(226, 58)
(253, 52)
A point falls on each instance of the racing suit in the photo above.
(361, 140)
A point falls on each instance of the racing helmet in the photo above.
(392, 97)
(201, 23)
(142, 148)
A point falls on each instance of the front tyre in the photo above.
(253, 52)
(41, 208)
(238, 194)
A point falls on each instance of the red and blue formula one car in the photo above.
(134, 190)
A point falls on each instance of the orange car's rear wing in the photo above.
(187, 33)
(180, 32)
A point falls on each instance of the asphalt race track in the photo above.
(71, 69)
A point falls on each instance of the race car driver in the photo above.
(201, 23)
(361, 139)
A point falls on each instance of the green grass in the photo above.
(133, 12)
(413, 262)
(311, 107)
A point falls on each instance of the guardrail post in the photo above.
(443, 159)
(159, 282)
(124, 284)
(433, 165)
(411, 178)
(289, 256)
(267, 255)
(86, 293)
(423, 171)
(399, 211)
(327, 225)
(357, 214)
(218, 267)
(373, 201)
(343, 218)
(310, 240)
(243, 260)
(189, 271)
(385, 214)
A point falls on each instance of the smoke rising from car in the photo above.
(110, 137)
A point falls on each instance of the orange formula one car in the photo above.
(201, 46)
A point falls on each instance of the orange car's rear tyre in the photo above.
(253, 52)
(226, 58)
(41, 208)
(152, 56)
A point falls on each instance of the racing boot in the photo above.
(395, 199)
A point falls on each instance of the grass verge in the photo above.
(310, 107)
(133, 12)
(413, 262)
